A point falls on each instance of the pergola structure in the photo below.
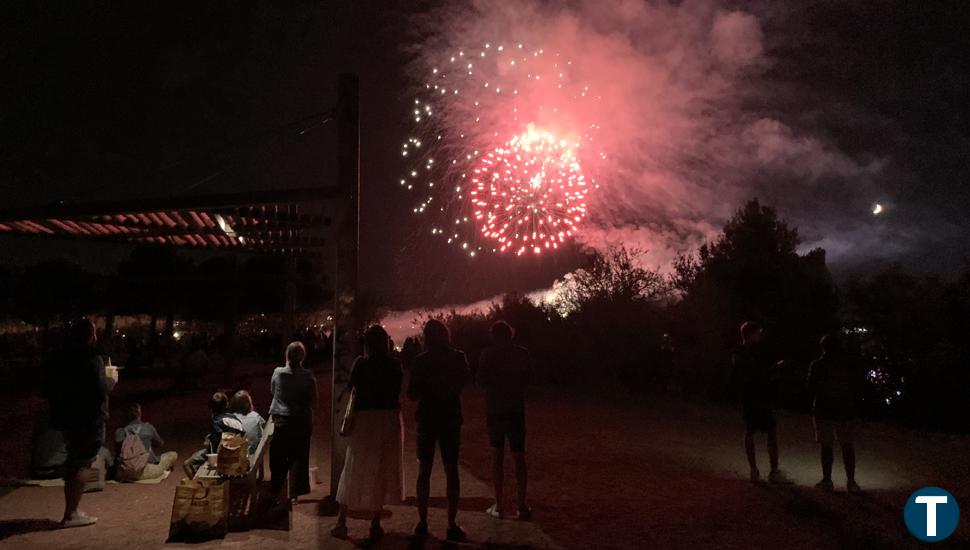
(272, 221)
(264, 222)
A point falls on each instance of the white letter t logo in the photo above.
(931, 502)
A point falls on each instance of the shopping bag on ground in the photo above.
(200, 511)
(233, 455)
(94, 475)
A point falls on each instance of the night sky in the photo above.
(184, 97)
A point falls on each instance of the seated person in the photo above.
(222, 421)
(241, 406)
(157, 464)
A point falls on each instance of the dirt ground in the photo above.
(658, 474)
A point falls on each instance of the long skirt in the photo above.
(373, 471)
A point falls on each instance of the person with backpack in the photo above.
(137, 444)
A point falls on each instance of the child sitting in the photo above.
(222, 421)
(252, 422)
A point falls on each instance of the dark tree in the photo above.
(753, 272)
(912, 332)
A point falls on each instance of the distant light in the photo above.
(877, 209)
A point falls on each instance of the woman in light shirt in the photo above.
(294, 394)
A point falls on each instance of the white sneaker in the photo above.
(79, 519)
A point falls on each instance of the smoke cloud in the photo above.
(689, 118)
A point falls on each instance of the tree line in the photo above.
(616, 325)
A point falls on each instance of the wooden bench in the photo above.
(256, 471)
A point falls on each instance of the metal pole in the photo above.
(345, 327)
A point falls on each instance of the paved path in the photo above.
(137, 516)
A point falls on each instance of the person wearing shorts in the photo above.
(437, 379)
(503, 372)
(752, 372)
(835, 382)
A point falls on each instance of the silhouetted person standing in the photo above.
(752, 373)
(437, 379)
(835, 381)
(503, 371)
(78, 395)
(294, 391)
(373, 469)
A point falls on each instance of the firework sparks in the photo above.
(501, 136)
(529, 195)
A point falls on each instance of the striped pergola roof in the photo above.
(264, 221)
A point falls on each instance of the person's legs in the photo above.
(280, 459)
(748, 414)
(522, 481)
(516, 434)
(768, 425)
(848, 457)
(426, 441)
(423, 491)
(300, 469)
(151, 471)
(449, 441)
(194, 462)
(73, 489)
(827, 459)
(376, 532)
(846, 433)
(82, 448)
(453, 492)
(155, 471)
(340, 529)
(749, 452)
(773, 449)
(167, 460)
(497, 428)
(498, 477)
(825, 437)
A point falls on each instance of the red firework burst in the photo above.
(529, 194)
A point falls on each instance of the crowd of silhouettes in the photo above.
(439, 372)
(835, 383)
(373, 472)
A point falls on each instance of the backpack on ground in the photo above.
(133, 457)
